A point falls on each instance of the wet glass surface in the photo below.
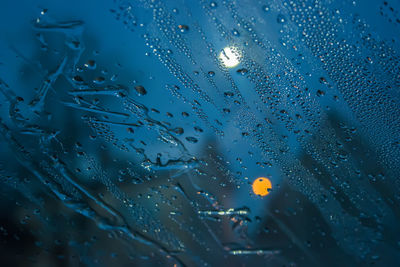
(200, 133)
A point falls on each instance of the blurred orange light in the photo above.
(262, 186)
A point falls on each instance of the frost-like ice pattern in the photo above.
(131, 133)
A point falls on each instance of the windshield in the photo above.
(200, 133)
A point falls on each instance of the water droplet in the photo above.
(320, 93)
(90, 64)
(281, 18)
(99, 80)
(242, 71)
(140, 90)
(183, 28)
(191, 139)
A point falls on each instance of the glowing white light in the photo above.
(229, 58)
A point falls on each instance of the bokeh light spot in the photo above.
(262, 186)
(228, 57)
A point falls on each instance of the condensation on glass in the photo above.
(200, 133)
